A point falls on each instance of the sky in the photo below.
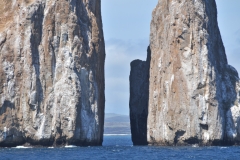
(126, 26)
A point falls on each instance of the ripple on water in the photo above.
(120, 147)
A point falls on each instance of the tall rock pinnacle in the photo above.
(138, 105)
(52, 57)
(193, 92)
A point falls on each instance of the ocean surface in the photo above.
(120, 147)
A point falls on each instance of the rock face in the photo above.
(139, 95)
(193, 92)
(52, 57)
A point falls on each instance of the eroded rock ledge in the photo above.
(193, 92)
(52, 57)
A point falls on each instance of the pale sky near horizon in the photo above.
(126, 25)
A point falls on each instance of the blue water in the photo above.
(120, 147)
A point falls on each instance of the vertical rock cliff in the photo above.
(194, 95)
(52, 57)
(139, 95)
(193, 92)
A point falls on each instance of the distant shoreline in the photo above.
(117, 134)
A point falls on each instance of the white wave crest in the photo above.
(21, 147)
(70, 146)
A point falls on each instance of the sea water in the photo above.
(120, 147)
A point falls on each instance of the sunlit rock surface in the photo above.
(193, 93)
(51, 72)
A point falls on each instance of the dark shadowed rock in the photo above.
(139, 91)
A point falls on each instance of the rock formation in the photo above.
(193, 92)
(139, 95)
(52, 57)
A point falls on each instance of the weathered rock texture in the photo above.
(51, 72)
(139, 95)
(194, 93)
